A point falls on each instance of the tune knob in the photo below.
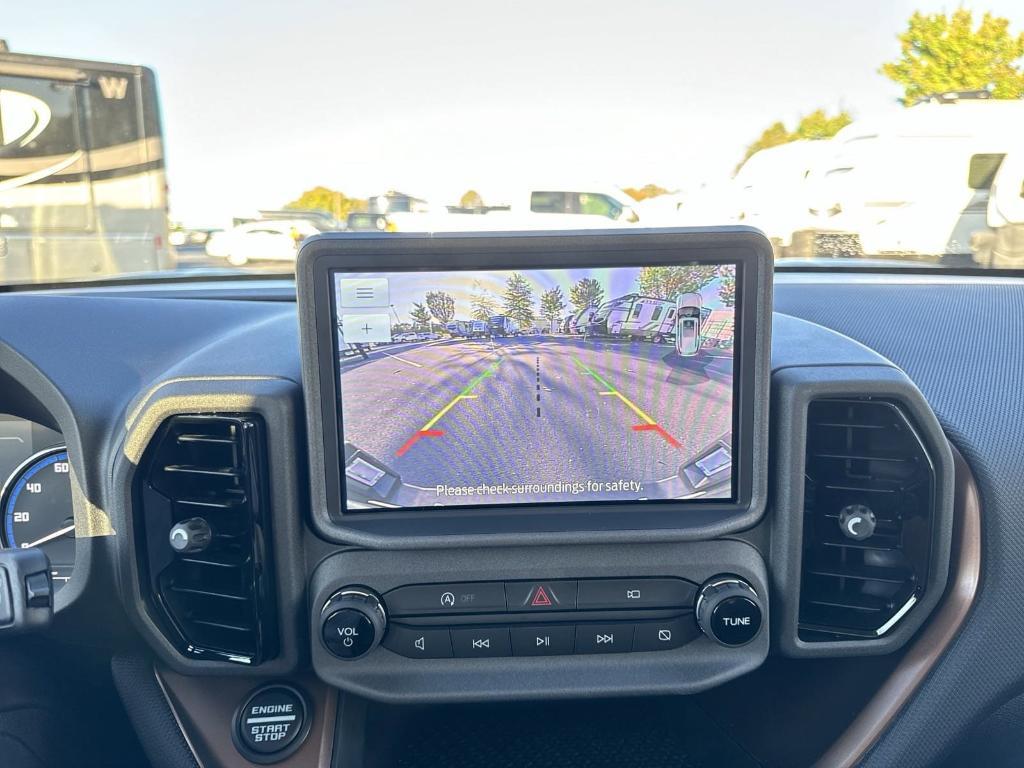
(729, 610)
(353, 622)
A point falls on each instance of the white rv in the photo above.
(577, 323)
(635, 316)
(915, 183)
(773, 189)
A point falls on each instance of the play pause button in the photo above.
(542, 641)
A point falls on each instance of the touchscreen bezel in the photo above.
(323, 256)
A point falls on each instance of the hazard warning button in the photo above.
(541, 595)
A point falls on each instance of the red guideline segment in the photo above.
(660, 430)
(412, 440)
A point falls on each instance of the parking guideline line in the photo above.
(427, 429)
(612, 391)
(650, 424)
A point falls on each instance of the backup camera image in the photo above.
(536, 386)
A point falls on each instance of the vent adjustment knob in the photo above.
(729, 611)
(192, 535)
(353, 622)
(857, 522)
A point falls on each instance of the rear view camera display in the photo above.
(536, 386)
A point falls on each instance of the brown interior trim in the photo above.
(204, 708)
(850, 748)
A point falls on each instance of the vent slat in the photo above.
(218, 603)
(861, 454)
(205, 439)
(206, 471)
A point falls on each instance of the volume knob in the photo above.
(353, 621)
(729, 610)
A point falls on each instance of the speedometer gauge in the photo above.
(36, 510)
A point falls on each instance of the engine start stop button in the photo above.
(272, 724)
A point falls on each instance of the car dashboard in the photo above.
(842, 624)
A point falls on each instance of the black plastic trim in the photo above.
(534, 524)
(792, 391)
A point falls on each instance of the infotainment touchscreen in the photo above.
(536, 386)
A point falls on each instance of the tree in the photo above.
(518, 300)
(815, 125)
(727, 286)
(645, 192)
(946, 53)
(420, 315)
(482, 302)
(471, 199)
(323, 199)
(441, 305)
(669, 282)
(586, 293)
(552, 305)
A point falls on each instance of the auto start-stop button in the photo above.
(272, 724)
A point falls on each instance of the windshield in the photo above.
(188, 140)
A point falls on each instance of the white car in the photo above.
(276, 240)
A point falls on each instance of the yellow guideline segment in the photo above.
(587, 371)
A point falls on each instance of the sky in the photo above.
(263, 100)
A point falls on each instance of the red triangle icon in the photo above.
(540, 597)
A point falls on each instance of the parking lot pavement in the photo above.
(545, 409)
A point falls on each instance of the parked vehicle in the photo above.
(635, 316)
(368, 222)
(502, 325)
(460, 328)
(275, 240)
(773, 190)
(1001, 244)
(83, 188)
(916, 183)
(689, 317)
(576, 324)
(580, 206)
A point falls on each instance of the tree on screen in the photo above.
(727, 287)
(483, 303)
(518, 300)
(586, 293)
(441, 306)
(669, 282)
(940, 53)
(420, 315)
(552, 305)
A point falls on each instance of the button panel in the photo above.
(541, 596)
(541, 639)
(455, 597)
(543, 617)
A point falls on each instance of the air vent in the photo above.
(868, 515)
(215, 602)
